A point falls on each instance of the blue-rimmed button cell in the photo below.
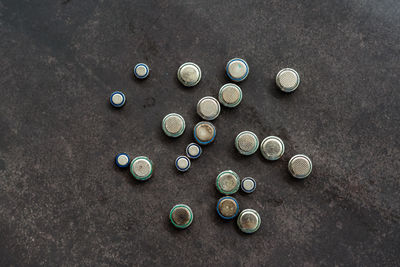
(122, 160)
(141, 71)
(248, 185)
(237, 69)
(193, 151)
(227, 208)
(182, 163)
(204, 132)
(117, 99)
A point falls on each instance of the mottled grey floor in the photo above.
(64, 202)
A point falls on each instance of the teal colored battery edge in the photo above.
(253, 150)
(165, 121)
(151, 166)
(235, 189)
(221, 96)
(190, 212)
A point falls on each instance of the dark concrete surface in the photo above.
(64, 202)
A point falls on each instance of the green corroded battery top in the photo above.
(142, 168)
(272, 148)
(173, 125)
(228, 182)
(287, 80)
(181, 216)
(230, 95)
(249, 221)
(189, 74)
(246, 143)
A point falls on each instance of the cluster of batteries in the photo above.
(247, 143)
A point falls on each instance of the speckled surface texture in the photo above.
(64, 202)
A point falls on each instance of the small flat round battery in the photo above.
(117, 99)
(141, 71)
(208, 108)
(173, 125)
(193, 151)
(230, 95)
(248, 185)
(249, 221)
(204, 132)
(237, 69)
(189, 74)
(122, 160)
(181, 216)
(272, 148)
(142, 168)
(246, 143)
(300, 166)
(182, 163)
(227, 208)
(287, 80)
(227, 182)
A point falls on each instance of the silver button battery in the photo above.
(246, 143)
(189, 74)
(204, 132)
(230, 95)
(249, 221)
(248, 185)
(181, 216)
(228, 182)
(227, 208)
(141, 71)
(300, 166)
(142, 168)
(122, 160)
(237, 69)
(287, 80)
(117, 99)
(193, 151)
(208, 108)
(272, 148)
(182, 163)
(173, 125)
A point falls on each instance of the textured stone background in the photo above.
(64, 202)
